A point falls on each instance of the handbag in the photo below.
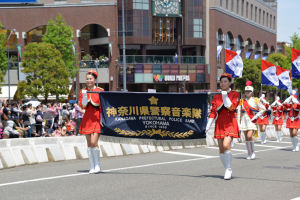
(39, 118)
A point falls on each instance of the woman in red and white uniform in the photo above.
(226, 126)
(263, 120)
(249, 111)
(292, 105)
(277, 109)
(90, 124)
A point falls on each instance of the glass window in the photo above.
(232, 5)
(247, 8)
(274, 23)
(242, 7)
(197, 27)
(141, 4)
(251, 12)
(221, 3)
(263, 18)
(259, 16)
(255, 14)
(237, 6)
(226, 4)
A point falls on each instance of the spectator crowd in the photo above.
(39, 120)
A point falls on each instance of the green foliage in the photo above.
(45, 72)
(87, 57)
(60, 35)
(3, 55)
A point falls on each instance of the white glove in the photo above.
(254, 118)
(263, 100)
(274, 103)
(278, 103)
(277, 98)
(226, 101)
(294, 100)
(209, 123)
(84, 97)
(288, 100)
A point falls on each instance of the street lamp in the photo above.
(97, 62)
(77, 78)
(11, 32)
(124, 50)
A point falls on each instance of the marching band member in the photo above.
(249, 111)
(226, 128)
(292, 105)
(277, 109)
(263, 120)
(90, 124)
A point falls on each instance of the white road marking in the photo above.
(261, 145)
(231, 149)
(280, 142)
(124, 168)
(188, 154)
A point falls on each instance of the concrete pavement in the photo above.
(181, 174)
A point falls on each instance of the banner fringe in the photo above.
(184, 143)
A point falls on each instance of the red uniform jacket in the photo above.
(226, 123)
(293, 120)
(278, 115)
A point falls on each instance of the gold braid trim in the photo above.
(152, 132)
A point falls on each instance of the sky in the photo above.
(288, 19)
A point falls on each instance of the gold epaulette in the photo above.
(241, 102)
(256, 100)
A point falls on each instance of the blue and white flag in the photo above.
(285, 81)
(295, 63)
(234, 64)
(268, 74)
(256, 56)
(248, 54)
(219, 49)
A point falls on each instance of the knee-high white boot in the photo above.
(248, 146)
(278, 136)
(252, 150)
(296, 143)
(222, 158)
(91, 158)
(263, 137)
(96, 154)
(228, 171)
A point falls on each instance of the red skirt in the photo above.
(91, 121)
(277, 122)
(226, 125)
(264, 121)
(293, 124)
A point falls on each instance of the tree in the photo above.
(45, 72)
(60, 35)
(3, 54)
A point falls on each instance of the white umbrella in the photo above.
(34, 103)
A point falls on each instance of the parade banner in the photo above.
(153, 116)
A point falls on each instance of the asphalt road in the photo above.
(182, 174)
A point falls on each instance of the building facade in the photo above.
(249, 26)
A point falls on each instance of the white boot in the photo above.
(222, 158)
(252, 150)
(91, 158)
(249, 150)
(263, 137)
(296, 143)
(96, 154)
(278, 136)
(228, 171)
